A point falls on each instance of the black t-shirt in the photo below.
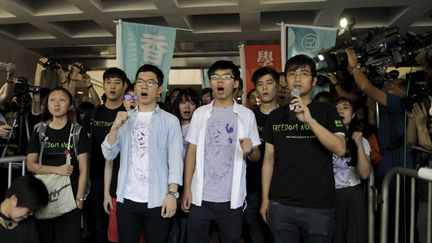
(303, 172)
(24, 232)
(253, 169)
(54, 153)
(99, 128)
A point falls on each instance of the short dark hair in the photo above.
(114, 72)
(151, 68)
(264, 71)
(30, 192)
(342, 99)
(250, 93)
(299, 61)
(224, 64)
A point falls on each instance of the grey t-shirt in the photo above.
(219, 150)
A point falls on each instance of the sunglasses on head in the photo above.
(129, 97)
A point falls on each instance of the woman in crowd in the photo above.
(350, 209)
(188, 100)
(58, 116)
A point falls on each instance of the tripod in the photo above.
(20, 121)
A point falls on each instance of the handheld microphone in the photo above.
(294, 93)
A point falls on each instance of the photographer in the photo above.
(391, 136)
(392, 126)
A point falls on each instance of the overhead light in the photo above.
(80, 92)
(343, 23)
(347, 22)
(321, 57)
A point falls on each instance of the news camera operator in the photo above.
(419, 132)
(391, 134)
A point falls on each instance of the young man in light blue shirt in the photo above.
(150, 144)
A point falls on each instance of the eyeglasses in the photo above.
(129, 97)
(303, 75)
(223, 77)
(148, 82)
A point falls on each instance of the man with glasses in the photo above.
(221, 135)
(297, 168)
(150, 144)
(97, 123)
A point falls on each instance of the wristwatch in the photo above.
(176, 195)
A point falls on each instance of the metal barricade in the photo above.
(423, 174)
(371, 192)
(13, 160)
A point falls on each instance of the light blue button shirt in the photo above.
(165, 154)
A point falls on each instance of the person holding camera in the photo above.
(391, 135)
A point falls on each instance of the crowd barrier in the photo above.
(13, 160)
(422, 174)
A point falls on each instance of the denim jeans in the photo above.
(290, 224)
(257, 229)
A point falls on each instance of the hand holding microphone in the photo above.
(294, 93)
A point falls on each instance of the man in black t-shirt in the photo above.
(297, 169)
(97, 124)
(266, 81)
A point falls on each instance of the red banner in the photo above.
(257, 56)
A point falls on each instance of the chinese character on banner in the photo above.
(256, 56)
(154, 48)
(265, 58)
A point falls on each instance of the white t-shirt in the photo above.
(136, 188)
(345, 175)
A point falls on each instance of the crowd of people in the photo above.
(286, 167)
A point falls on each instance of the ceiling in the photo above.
(208, 29)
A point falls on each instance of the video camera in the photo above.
(83, 69)
(22, 87)
(377, 49)
(50, 64)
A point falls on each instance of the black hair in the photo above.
(300, 61)
(223, 64)
(83, 108)
(130, 88)
(151, 68)
(46, 114)
(264, 71)
(30, 192)
(354, 126)
(115, 73)
(324, 97)
(250, 93)
(185, 94)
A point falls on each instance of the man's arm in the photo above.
(333, 142)
(188, 173)
(107, 184)
(92, 92)
(267, 173)
(36, 101)
(362, 81)
(7, 88)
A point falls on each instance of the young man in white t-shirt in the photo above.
(150, 144)
(221, 135)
